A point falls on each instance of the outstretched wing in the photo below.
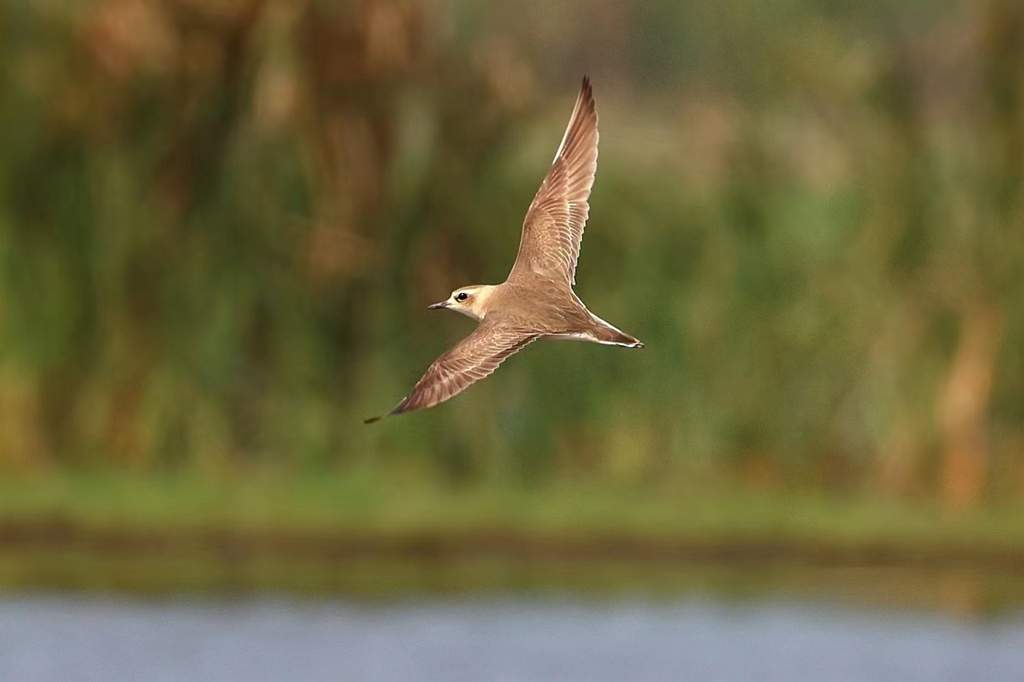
(553, 228)
(469, 361)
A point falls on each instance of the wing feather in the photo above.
(554, 223)
(470, 360)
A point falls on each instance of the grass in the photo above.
(371, 536)
(368, 504)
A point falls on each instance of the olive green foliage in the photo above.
(221, 223)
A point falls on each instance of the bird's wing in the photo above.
(470, 360)
(553, 228)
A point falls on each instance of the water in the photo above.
(66, 638)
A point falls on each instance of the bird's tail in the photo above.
(608, 334)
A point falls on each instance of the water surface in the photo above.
(54, 637)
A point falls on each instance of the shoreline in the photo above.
(113, 542)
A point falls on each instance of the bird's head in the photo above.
(471, 301)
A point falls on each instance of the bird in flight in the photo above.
(536, 300)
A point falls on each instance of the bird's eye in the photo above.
(461, 296)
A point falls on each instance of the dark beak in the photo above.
(438, 305)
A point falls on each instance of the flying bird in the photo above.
(536, 300)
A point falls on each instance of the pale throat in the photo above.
(480, 304)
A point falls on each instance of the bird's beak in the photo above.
(438, 305)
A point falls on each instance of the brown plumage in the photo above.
(536, 300)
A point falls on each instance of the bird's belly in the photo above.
(573, 336)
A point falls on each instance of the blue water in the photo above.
(60, 638)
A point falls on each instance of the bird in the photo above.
(536, 300)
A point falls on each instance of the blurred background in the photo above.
(221, 221)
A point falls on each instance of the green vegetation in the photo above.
(371, 536)
(384, 506)
(220, 222)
